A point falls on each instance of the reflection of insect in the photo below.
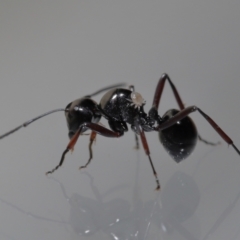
(119, 106)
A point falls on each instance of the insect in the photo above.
(120, 107)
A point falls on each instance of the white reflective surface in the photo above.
(55, 52)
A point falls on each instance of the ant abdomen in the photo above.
(180, 139)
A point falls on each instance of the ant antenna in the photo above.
(105, 89)
(25, 124)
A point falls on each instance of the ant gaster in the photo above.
(120, 107)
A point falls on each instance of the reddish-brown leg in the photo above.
(70, 146)
(158, 95)
(159, 89)
(95, 128)
(102, 130)
(145, 146)
(92, 139)
(147, 151)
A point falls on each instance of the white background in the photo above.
(53, 52)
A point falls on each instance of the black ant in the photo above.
(120, 106)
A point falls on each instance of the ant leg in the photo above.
(159, 89)
(102, 130)
(157, 97)
(137, 142)
(147, 151)
(185, 112)
(92, 139)
(207, 142)
(94, 127)
(70, 146)
(153, 112)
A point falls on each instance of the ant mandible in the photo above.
(120, 106)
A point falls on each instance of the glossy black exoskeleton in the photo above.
(120, 107)
(81, 111)
(180, 139)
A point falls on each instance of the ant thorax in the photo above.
(137, 100)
